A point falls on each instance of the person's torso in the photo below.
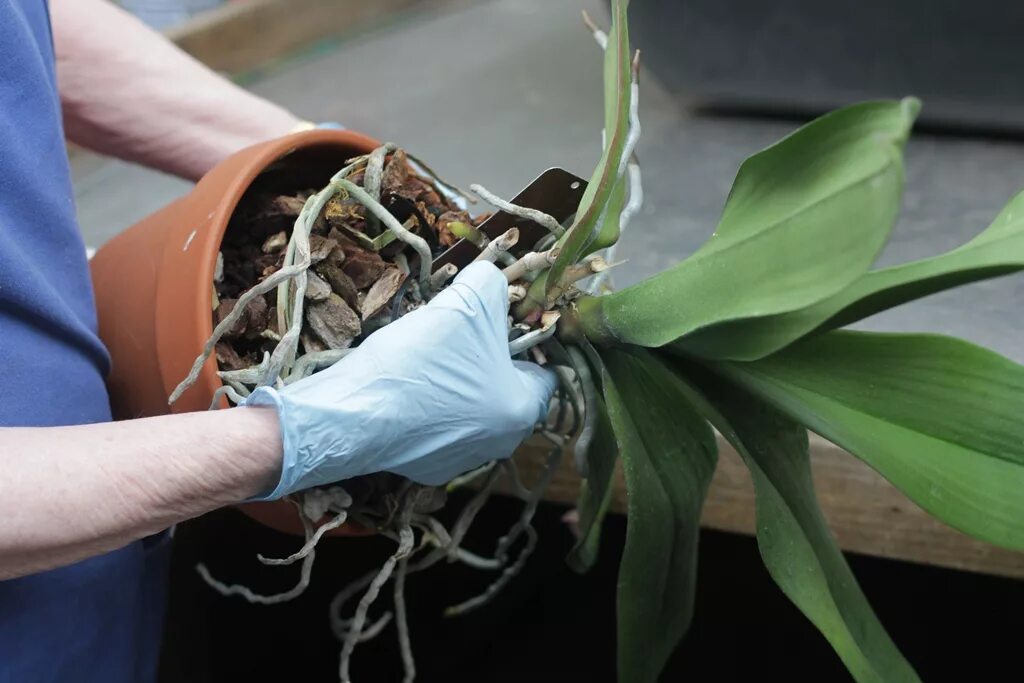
(51, 361)
(97, 620)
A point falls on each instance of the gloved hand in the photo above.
(430, 396)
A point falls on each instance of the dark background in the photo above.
(554, 625)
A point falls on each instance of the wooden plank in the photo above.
(866, 513)
(241, 36)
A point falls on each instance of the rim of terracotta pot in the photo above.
(207, 237)
(237, 175)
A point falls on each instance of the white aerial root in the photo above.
(391, 223)
(405, 546)
(516, 293)
(505, 542)
(402, 622)
(533, 261)
(499, 245)
(308, 547)
(539, 217)
(632, 167)
(314, 361)
(442, 275)
(589, 428)
(600, 36)
(228, 390)
(256, 598)
(535, 337)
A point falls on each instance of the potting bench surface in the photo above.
(494, 92)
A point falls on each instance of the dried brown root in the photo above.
(539, 217)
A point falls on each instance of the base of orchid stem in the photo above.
(581, 320)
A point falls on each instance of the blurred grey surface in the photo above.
(498, 91)
(964, 58)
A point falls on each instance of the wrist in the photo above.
(252, 435)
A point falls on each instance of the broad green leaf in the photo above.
(998, 250)
(668, 454)
(938, 417)
(606, 176)
(805, 218)
(795, 543)
(596, 488)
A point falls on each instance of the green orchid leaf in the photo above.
(795, 543)
(938, 417)
(999, 250)
(805, 218)
(668, 453)
(605, 180)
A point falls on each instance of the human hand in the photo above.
(428, 397)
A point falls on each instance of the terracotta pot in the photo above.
(154, 281)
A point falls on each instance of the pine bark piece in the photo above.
(364, 267)
(340, 283)
(396, 173)
(334, 322)
(275, 243)
(310, 342)
(222, 312)
(316, 288)
(256, 317)
(321, 247)
(250, 324)
(340, 212)
(382, 292)
(227, 357)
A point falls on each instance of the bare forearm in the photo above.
(71, 492)
(130, 93)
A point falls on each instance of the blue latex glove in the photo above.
(430, 396)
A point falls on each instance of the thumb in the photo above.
(539, 384)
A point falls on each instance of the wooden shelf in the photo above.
(866, 513)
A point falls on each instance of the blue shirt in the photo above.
(98, 620)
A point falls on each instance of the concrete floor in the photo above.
(497, 91)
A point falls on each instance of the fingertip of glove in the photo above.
(484, 278)
(539, 381)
